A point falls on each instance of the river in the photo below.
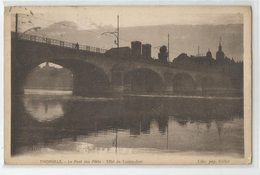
(53, 122)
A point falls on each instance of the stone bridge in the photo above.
(96, 72)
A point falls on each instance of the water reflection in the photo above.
(43, 110)
(133, 125)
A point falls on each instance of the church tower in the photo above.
(220, 53)
(209, 55)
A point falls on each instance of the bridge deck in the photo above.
(23, 36)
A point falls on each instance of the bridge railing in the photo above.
(55, 42)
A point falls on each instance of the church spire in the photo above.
(220, 47)
(220, 54)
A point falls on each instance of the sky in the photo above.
(189, 28)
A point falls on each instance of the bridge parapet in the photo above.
(22, 36)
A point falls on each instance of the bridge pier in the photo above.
(168, 82)
(78, 88)
(16, 83)
(117, 78)
(17, 75)
(85, 85)
(82, 85)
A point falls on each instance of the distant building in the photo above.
(146, 51)
(221, 64)
(136, 48)
(209, 55)
(185, 59)
(163, 55)
(142, 52)
(138, 51)
(220, 54)
(122, 52)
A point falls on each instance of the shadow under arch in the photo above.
(143, 80)
(183, 83)
(88, 79)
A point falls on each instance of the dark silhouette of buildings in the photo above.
(198, 60)
(220, 54)
(138, 51)
(221, 64)
(163, 55)
(136, 48)
(146, 51)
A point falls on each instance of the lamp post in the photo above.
(34, 28)
(16, 29)
(116, 33)
(168, 48)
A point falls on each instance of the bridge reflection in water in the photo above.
(46, 123)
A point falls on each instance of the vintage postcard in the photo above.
(127, 85)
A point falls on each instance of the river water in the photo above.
(53, 122)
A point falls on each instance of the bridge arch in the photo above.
(183, 83)
(88, 79)
(142, 80)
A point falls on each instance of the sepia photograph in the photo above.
(127, 85)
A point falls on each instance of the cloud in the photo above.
(96, 17)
